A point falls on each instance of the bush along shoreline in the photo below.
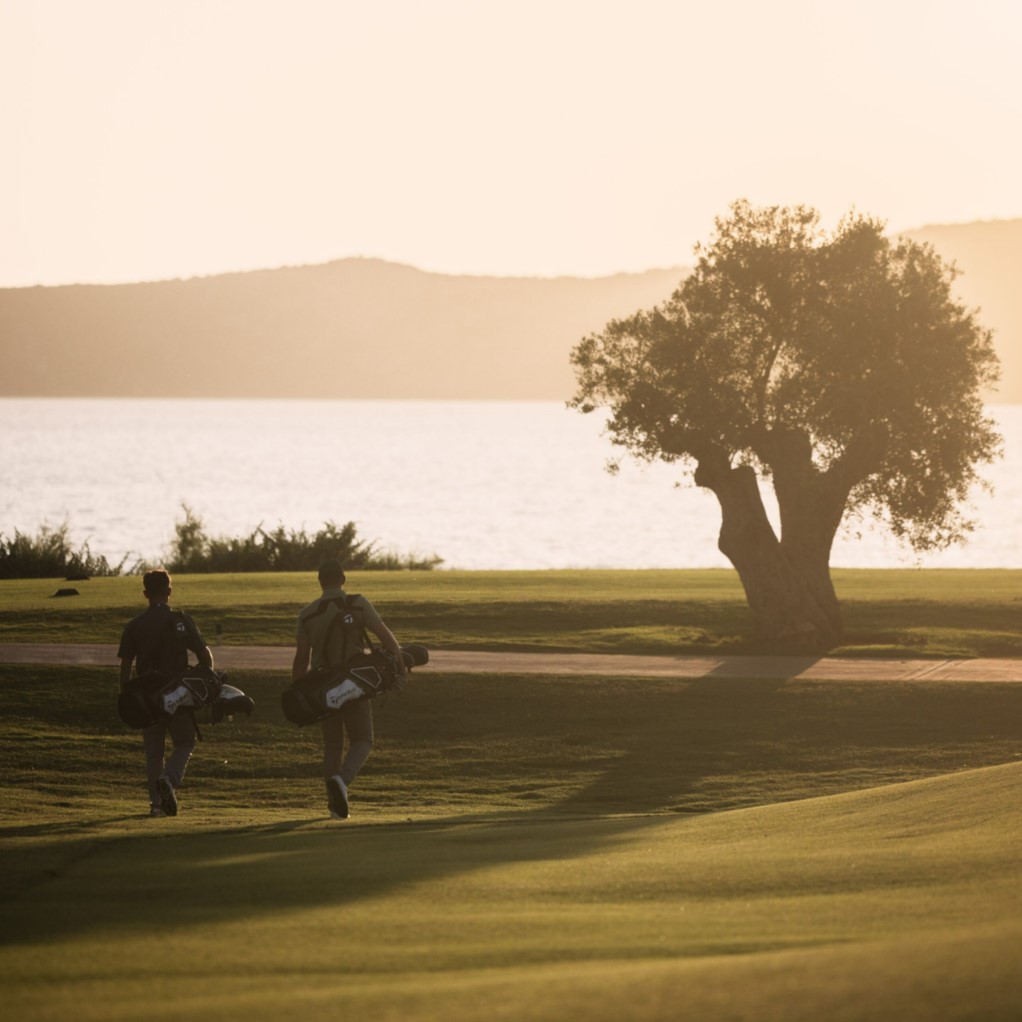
(50, 553)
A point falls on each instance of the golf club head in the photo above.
(415, 655)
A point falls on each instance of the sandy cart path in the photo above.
(469, 662)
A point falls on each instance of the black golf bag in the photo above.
(147, 698)
(325, 690)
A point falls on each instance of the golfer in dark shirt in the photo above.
(159, 640)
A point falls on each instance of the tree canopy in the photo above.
(837, 365)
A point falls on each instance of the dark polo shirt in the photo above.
(159, 640)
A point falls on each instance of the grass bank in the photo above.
(892, 903)
(938, 613)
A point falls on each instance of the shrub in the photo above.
(280, 549)
(49, 554)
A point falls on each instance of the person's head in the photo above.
(156, 585)
(331, 574)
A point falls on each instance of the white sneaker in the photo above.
(337, 797)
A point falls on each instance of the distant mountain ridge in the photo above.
(348, 329)
(366, 328)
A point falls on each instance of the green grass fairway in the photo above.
(887, 613)
(901, 902)
(523, 848)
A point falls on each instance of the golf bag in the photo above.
(149, 697)
(325, 690)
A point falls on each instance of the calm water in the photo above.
(484, 485)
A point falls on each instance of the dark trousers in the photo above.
(181, 727)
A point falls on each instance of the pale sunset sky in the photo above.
(146, 140)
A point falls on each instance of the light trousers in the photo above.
(181, 728)
(355, 720)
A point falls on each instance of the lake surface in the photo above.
(482, 484)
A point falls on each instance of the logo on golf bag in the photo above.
(324, 690)
(149, 697)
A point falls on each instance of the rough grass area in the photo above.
(518, 744)
(887, 613)
(523, 848)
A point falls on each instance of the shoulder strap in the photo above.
(366, 640)
(344, 604)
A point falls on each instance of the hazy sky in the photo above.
(146, 139)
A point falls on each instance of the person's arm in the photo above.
(197, 644)
(300, 664)
(126, 654)
(374, 623)
(391, 645)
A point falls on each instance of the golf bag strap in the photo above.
(347, 603)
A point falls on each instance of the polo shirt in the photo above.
(159, 640)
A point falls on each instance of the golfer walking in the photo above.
(159, 640)
(330, 632)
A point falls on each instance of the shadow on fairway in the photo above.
(68, 828)
(208, 879)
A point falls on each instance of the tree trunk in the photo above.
(788, 585)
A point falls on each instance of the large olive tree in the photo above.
(838, 366)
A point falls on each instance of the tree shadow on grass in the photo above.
(678, 736)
